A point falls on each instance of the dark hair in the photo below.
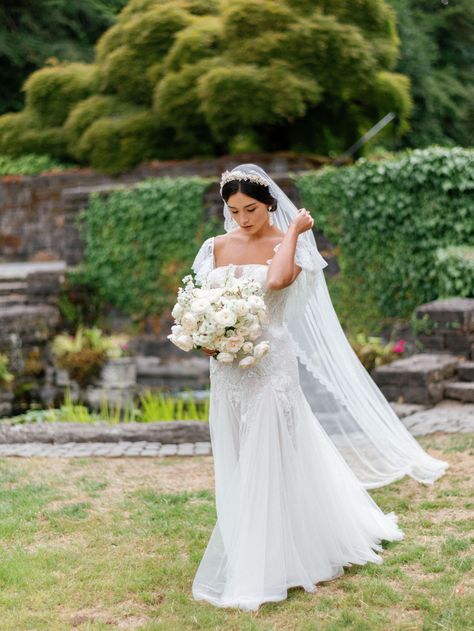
(252, 189)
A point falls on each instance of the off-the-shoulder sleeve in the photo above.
(204, 260)
(312, 263)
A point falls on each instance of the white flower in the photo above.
(246, 362)
(263, 316)
(225, 358)
(202, 339)
(261, 349)
(200, 305)
(177, 329)
(226, 317)
(184, 342)
(189, 322)
(177, 311)
(241, 307)
(247, 347)
(234, 343)
(255, 302)
(242, 330)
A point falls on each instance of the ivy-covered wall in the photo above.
(392, 219)
(140, 242)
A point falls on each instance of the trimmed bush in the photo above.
(389, 218)
(52, 91)
(115, 144)
(87, 112)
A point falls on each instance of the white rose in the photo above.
(261, 349)
(234, 343)
(184, 342)
(226, 317)
(243, 331)
(202, 339)
(246, 362)
(189, 322)
(177, 311)
(225, 358)
(241, 307)
(177, 329)
(247, 347)
(200, 305)
(255, 302)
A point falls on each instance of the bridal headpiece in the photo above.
(228, 176)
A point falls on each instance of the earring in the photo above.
(270, 216)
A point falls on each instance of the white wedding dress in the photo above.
(290, 511)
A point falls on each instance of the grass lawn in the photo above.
(105, 543)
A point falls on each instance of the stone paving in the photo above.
(109, 450)
(446, 416)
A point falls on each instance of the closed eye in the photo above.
(249, 209)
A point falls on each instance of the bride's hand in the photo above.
(208, 351)
(303, 221)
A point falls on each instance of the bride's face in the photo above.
(248, 212)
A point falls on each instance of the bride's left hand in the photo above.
(303, 221)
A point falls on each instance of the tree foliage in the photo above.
(31, 31)
(187, 77)
(437, 53)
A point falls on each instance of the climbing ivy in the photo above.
(391, 217)
(141, 241)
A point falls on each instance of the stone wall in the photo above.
(37, 213)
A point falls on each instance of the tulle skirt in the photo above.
(290, 511)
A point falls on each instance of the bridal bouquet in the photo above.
(226, 319)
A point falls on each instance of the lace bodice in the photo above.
(275, 299)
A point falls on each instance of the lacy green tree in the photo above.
(200, 77)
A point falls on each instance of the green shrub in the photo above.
(87, 112)
(141, 241)
(455, 265)
(116, 143)
(53, 90)
(29, 164)
(389, 217)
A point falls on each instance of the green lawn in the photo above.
(114, 544)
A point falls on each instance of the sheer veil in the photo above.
(344, 398)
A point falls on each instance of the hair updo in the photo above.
(259, 192)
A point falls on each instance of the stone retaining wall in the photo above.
(37, 213)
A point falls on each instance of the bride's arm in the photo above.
(283, 270)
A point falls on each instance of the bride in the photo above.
(291, 477)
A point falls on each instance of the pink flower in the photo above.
(399, 347)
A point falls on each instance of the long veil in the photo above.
(343, 396)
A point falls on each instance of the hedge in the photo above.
(391, 217)
(141, 241)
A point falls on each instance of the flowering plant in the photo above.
(226, 319)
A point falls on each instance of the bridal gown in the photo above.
(290, 511)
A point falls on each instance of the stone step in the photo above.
(466, 371)
(450, 326)
(460, 390)
(13, 299)
(15, 285)
(416, 379)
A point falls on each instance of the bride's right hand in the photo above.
(303, 221)
(208, 351)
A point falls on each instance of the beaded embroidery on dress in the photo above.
(290, 511)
